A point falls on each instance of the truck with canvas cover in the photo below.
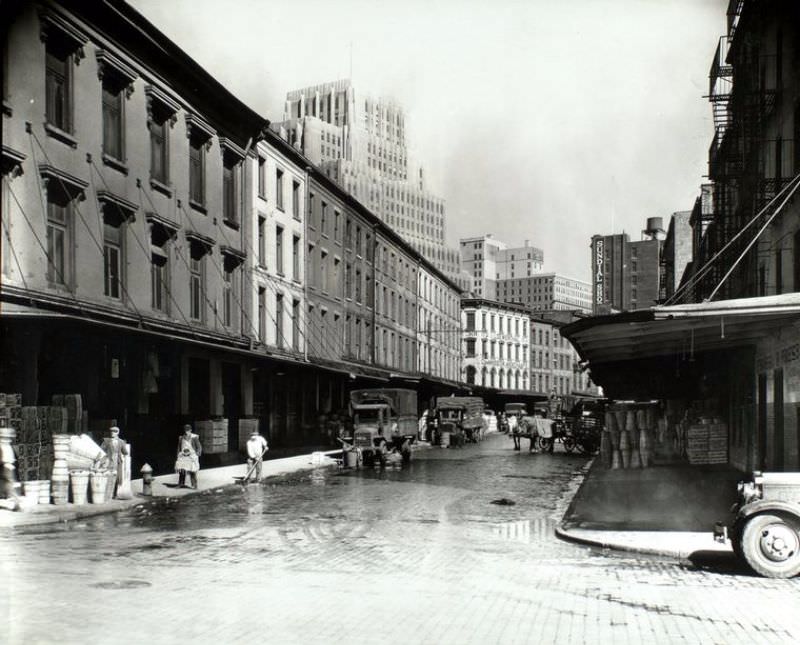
(384, 421)
(461, 415)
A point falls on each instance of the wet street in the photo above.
(456, 548)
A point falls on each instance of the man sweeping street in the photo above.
(256, 449)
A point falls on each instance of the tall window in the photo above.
(58, 85)
(296, 258)
(358, 285)
(228, 289)
(262, 177)
(279, 250)
(196, 284)
(113, 124)
(322, 218)
(262, 314)
(279, 319)
(296, 325)
(159, 150)
(296, 200)
(112, 258)
(59, 236)
(197, 170)
(230, 189)
(323, 269)
(470, 347)
(262, 243)
(470, 321)
(279, 188)
(159, 268)
(348, 280)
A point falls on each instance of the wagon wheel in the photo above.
(771, 546)
(545, 444)
(569, 443)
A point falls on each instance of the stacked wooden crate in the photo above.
(213, 435)
(697, 443)
(717, 444)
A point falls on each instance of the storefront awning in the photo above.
(681, 329)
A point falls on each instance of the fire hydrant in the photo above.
(147, 480)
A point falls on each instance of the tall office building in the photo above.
(487, 260)
(627, 275)
(360, 142)
(547, 292)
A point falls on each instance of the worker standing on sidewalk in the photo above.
(256, 449)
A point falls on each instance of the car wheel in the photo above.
(771, 546)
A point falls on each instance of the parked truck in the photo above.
(384, 421)
(461, 415)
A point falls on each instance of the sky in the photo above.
(540, 120)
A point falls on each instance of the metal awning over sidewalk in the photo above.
(681, 329)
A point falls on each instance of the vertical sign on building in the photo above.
(597, 272)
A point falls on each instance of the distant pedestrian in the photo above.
(512, 429)
(256, 449)
(8, 478)
(188, 461)
(115, 449)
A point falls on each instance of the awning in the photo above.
(681, 329)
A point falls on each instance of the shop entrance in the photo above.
(232, 400)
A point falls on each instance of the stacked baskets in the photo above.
(60, 477)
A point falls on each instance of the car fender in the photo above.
(768, 506)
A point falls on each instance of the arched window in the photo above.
(500, 379)
(492, 377)
(516, 384)
(471, 374)
(483, 377)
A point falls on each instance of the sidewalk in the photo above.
(163, 486)
(662, 510)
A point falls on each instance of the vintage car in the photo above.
(765, 531)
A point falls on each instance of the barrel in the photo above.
(613, 436)
(350, 458)
(630, 420)
(616, 460)
(32, 492)
(641, 419)
(98, 482)
(620, 415)
(83, 446)
(644, 447)
(44, 491)
(60, 470)
(445, 439)
(60, 491)
(605, 449)
(79, 486)
(611, 421)
(625, 448)
(77, 462)
(635, 458)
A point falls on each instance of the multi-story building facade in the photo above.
(626, 275)
(123, 198)
(676, 253)
(555, 365)
(488, 261)
(496, 344)
(439, 324)
(547, 292)
(754, 157)
(193, 263)
(360, 142)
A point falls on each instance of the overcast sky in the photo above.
(545, 120)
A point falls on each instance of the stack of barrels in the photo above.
(59, 481)
(628, 434)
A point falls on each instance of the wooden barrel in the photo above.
(445, 439)
(44, 491)
(620, 414)
(98, 481)
(611, 421)
(613, 437)
(60, 491)
(605, 449)
(31, 490)
(60, 470)
(630, 420)
(635, 459)
(79, 486)
(616, 460)
(625, 448)
(644, 447)
(641, 418)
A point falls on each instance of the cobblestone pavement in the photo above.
(420, 555)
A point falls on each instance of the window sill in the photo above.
(114, 163)
(260, 196)
(60, 135)
(161, 187)
(7, 110)
(198, 206)
(231, 223)
(280, 208)
(280, 274)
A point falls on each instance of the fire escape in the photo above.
(746, 167)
